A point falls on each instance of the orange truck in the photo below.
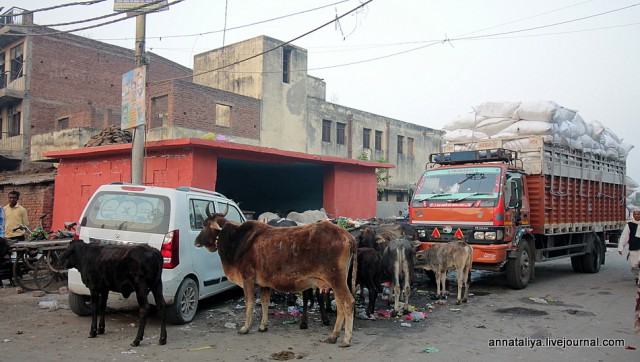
(518, 211)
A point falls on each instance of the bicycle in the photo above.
(38, 264)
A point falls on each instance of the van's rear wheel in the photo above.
(519, 268)
(185, 304)
(80, 304)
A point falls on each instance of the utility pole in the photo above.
(137, 148)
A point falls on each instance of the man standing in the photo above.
(15, 215)
(631, 235)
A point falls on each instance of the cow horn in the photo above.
(226, 210)
(207, 210)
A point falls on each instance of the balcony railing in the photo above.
(15, 16)
(10, 142)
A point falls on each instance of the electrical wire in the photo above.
(362, 5)
(154, 9)
(55, 7)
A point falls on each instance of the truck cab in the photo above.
(477, 196)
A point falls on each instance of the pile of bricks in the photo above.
(110, 135)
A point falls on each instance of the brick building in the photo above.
(60, 89)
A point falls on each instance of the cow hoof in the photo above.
(344, 345)
(458, 303)
(304, 326)
(92, 335)
(331, 340)
(162, 341)
(243, 330)
(263, 329)
(135, 343)
(100, 330)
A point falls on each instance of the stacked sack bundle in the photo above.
(515, 121)
(633, 194)
(554, 123)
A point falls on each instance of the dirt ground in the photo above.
(560, 305)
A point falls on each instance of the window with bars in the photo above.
(366, 138)
(400, 145)
(378, 141)
(14, 124)
(286, 64)
(326, 130)
(17, 60)
(340, 133)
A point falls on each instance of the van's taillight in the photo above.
(171, 249)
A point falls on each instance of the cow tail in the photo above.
(354, 270)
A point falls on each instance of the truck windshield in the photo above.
(457, 184)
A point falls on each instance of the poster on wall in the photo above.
(133, 98)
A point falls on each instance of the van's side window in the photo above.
(233, 214)
(197, 213)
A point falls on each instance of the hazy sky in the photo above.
(419, 61)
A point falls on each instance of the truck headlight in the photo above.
(478, 235)
(422, 233)
(490, 235)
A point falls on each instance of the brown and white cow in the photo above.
(288, 260)
(454, 255)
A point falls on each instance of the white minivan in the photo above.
(166, 219)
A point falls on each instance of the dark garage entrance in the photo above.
(281, 188)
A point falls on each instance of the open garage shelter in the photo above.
(280, 188)
(259, 178)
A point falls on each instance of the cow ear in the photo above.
(415, 244)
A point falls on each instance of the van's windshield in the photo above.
(129, 211)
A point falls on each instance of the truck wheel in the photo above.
(185, 304)
(576, 263)
(80, 304)
(519, 268)
(591, 262)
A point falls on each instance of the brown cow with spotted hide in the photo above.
(288, 260)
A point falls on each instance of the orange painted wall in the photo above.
(349, 185)
(350, 190)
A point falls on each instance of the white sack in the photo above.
(463, 135)
(536, 111)
(596, 129)
(529, 128)
(524, 143)
(574, 128)
(624, 149)
(496, 109)
(563, 115)
(492, 126)
(630, 183)
(468, 120)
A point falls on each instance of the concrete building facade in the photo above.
(60, 89)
